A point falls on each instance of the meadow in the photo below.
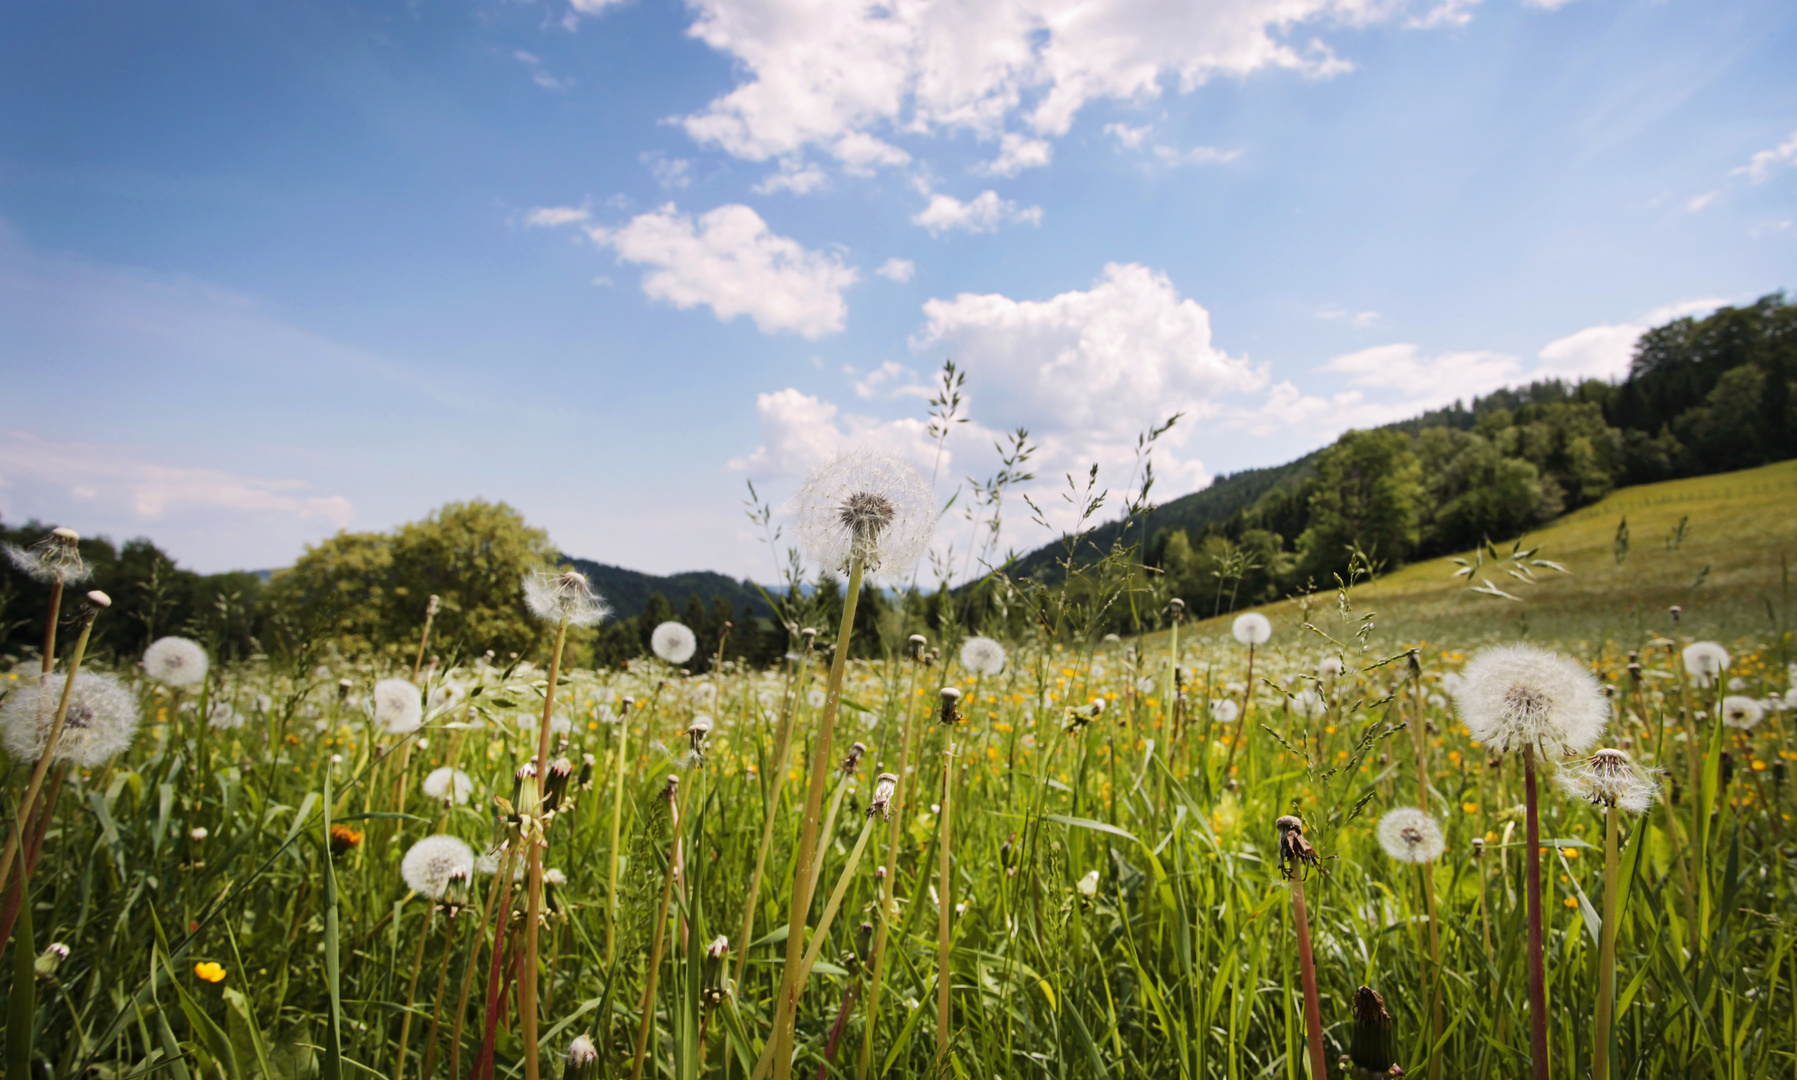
(1078, 863)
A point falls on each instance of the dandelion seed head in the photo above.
(398, 708)
(100, 724)
(1611, 778)
(433, 862)
(1252, 628)
(554, 876)
(866, 505)
(1410, 835)
(55, 558)
(1705, 661)
(674, 642)
(1514, 696)
(1742, 713)
(553, 597)
(1330, 667)
(982, 656)
(446, 695)
(224, 717)
(582, 1052)
(448, 784)
(175, 661)
(1225, 710)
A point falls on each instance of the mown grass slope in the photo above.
(1727, 571)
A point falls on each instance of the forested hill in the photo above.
(628, 591)
(1702, 396)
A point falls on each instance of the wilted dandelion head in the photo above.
(175, 661)
(982, 656)
(1611, 778)
(434, 862)
(1743, 713)
(1409, 835)
(673, 642)
(869, 506)
(448, 784)
(398, 708)
(1705, 661)
(55, 558)
(1514, 696)
(1252, 628)
(881, 801)
(553, 597)
(101, 721)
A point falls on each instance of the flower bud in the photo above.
(951, 699)
(583, 1060)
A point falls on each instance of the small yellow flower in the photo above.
(1469, 807)
(1758, 765)
(1329, 729)
(1570, 902)
(1570, 852)
(209, 971)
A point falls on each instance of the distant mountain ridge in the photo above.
(628, 591)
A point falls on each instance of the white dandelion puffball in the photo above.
(448, 785)
(57, 557)
(815, 697)
(673, 642)
(1409, 835)
(1518, 695)
(222, 717)
(1611, 778)
(101, 721)
(1146, 685)
(1225, 710)
(175, 661)
(1330, 667)
(1705, 661)
(982, 656)
(1252, 628)
(866, 505)
(398, 708)
(434, 862)
(1742, 713)
(447, 695)
(553, 597)
(488, 864)
(1307, 703)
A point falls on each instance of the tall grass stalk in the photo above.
(658, 935)
(776, 783)
(945, 880)
(888, 910)
(536, 838)
(617, 820)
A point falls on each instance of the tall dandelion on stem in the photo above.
(566, 600)
(1412, 836)
(865, 513)
(1518, 698)
(1612, 780)
(56, 561)
(1251, 629)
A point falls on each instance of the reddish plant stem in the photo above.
(1307, 973)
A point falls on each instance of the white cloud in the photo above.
(800, 431)
(1128, 138)
(1197, 155)
(815, 72)
(1605, 351)
(1017, 153)
(729, 260)
(1759, 167)
(794, 176)
(861, 153)
(1547, 5)
(550, 217)
(1360, 320)
(671, 173)
(1698, 202)
(1455, 13)
(868, 386)
(1770, 227)
(1427, 380)
(537, 73)
(120, 484)
(1087, 371)
(897, 269)
(984, 213)
(592, 7)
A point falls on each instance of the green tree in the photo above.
(1368, 492)
(368, 591)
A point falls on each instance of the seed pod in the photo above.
(881, 803)
(1370, 1047)
(951, 700)
(852, 761)
(1294, 850)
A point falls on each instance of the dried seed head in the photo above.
(554, 597)
(881, 803)
(53, 560)
(1294, 850)
(852, 760)
(951, 700)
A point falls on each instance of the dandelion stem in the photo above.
(658, 937)
(405, 1025)
(1235, 741)
(818, 761)
(527, 984)
(1606, 956)
(945, 901)
(617, 820)
(1307, 973)
(776, 782)
(1537, 975)
(887, 910)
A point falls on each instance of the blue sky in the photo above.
(271, 270)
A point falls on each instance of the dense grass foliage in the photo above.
(231, 902)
